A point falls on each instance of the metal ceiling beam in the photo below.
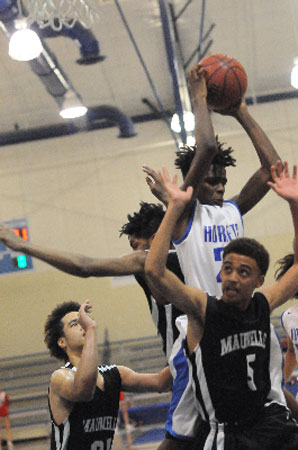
(176, 64)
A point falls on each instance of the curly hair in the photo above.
(145, 222)
(186, 153)
(252, 248)
(53, 328)
(284, 265)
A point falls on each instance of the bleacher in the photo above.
(26, 379)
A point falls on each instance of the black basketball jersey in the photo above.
(91, 425)
(230, 366)
(164, 316)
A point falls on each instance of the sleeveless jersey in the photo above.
(183, 417)
(91, 425)
(276, 393)
(164, 316)
(289, 321)
(167, 321)
(230, 366)
(199, 250)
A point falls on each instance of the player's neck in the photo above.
(74, 358)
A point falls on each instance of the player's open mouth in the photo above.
(231, 290)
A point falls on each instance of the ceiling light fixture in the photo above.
(72, 107)
(294, 74)
(24, 43)
(189, 122)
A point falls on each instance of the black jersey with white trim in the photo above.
(230, 366)
(164, 316)
(91, 425)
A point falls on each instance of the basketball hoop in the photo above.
(61, 13)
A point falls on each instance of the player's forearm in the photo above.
(84, 266)
(145, 382)
(206, 146)
(157, 382)
(290, 364)
(262, 144)
(67, 262)
(294, 212)
(87, 370)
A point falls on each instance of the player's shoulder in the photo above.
(291, 312)
(59, 378)
(107, 368)
(66, 371)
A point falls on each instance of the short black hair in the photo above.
(53, 328)
(284, 265)
(145, 222)
(252, 248)
(186, 153)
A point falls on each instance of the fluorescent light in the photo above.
(72, 113)
(294, 74)
(72, 107)
(190, 141)
(24, 43)
(189, 122)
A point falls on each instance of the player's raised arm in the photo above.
(79, 385)
(285, 186)
(206, 146)
(204, 151)
(76, 264)
(256, 187)
(161, 280)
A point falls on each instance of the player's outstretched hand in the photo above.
(233, 111)
(155, 184)
(283, 184)
(84, 316)
(176, 195)
(9, 237)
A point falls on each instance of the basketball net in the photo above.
(61, 13)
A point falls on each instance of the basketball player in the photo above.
(228, 340)
(4, 416)
(289, 321)
(208, 222)
(83, 396)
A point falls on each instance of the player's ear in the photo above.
(260, 281)
(61, 342)
(151, 239)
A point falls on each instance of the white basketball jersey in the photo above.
(289, 320)
(183, 418)
(276, 369)
(200, 249)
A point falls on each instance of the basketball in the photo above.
(226, 81)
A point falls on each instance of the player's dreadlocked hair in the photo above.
(186, 153)
(145, 222)
(53, 328)
(284, 265)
